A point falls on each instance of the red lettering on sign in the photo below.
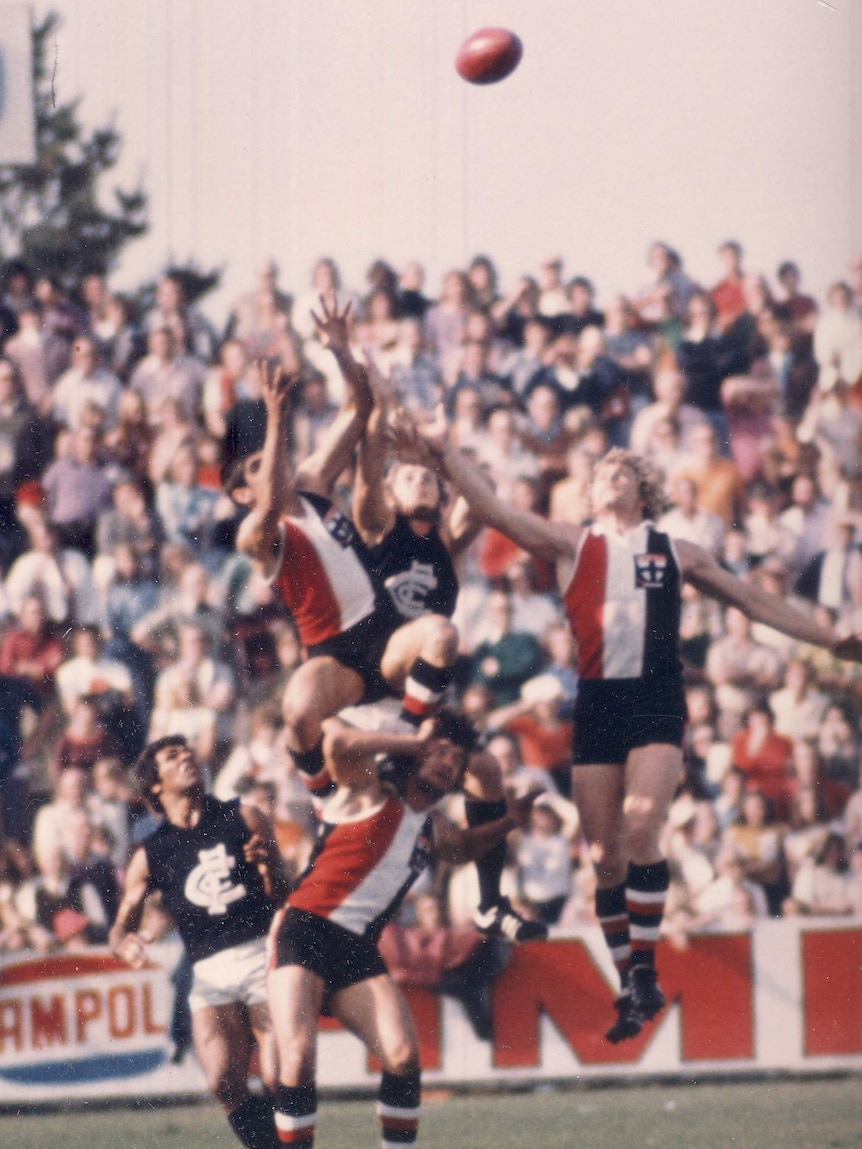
(832, 991)
(88, 1007)
(48, 1021)
(711, 980)
(122, 1017)
(150, 1024)
(11, 1024)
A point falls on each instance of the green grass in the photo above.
(798, 1114)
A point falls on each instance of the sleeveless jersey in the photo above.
(623, 605)
(214, 896)
(416, 570)
(361, 868)
(324, 574)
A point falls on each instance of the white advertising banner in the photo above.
(786, 997)
(17, 130)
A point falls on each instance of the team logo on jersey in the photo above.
(209, 884)
(409, 589)
(339, 527)
(650, 570)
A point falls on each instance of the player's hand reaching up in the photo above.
(435, 432)
(333, 329)
(275, 385)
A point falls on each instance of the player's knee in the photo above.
(402, 1058)
(442, 639)
(295, 1063)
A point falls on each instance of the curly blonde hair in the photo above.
(650, 483)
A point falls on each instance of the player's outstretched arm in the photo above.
(703, 572)
(258, 535)
(338, 443)
(457, 845)
(261, 850)
(372, 513)
(350, 753)
(550, 541)
(125, 942)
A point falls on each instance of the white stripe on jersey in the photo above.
(624, 610)
(379, 888)
(350, 582)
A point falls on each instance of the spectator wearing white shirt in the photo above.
(85, 384)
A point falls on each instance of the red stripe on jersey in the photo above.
(351, 852)
(584, 602)
(305, 588)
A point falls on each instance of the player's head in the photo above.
(624, 482)
(170, 761)
(441, 767)
(240, 479)
(416, 491)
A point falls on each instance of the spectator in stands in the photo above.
(798, 706)
(582, 311)
(85, 739)
(166, 372)
(839, 746)
(192, 333)
(223, 386)
(415, 376)
(325, 284)
(412, 302)
(686, 520)
(196, 680)
(26, 450)
(77, 490)
(543, 855)
(251, 315)
(807, 520)
(720, 485)
(505, 659)
(757, 839)
(32, 649)
(728, 295)
(85, 383)
(544, 736)
(483, 279)
(764, 757)
(62, 911)
(61, 322)
(807, 830)
(791, 305)
(740, 669)
(445, 321)
(821, 888)
(473, 371)
(838, 335)
(190, 600)
(733, 901)
(834, 426)
(667, 292)
(553, 300)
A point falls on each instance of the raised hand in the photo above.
(275, 385)
(435, 432)
(332, 327)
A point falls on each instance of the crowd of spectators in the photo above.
(126, 613)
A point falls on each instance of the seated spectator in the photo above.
(553, 300)
(798, 706)
(187, 511)
(90, 861)
(732, 901)
(527, 358)
(26, 439)
(109, 806)
(129, 522)
(667, 292)
(326, 284)
(223, 385)
(757, 839)
(544, 433)
(314, 411)
(193, 687)
(517, 778)
(834, 426)
(15, 867)
(839, 746)
(764, 757)
(765, 535)
(412, 302)
(452, 960)
(472, 370)
(483, 279)
(559, 644)
(504, 659)
(251, 316)
(127, 446)
(686, 520)
(120, 341)
(501, 452)
(32, 649)
(77, 490)
(192, 599)
(174, 312)
(670, 389)
(28, 350)
(63, 911)
(750, 402)
(90, 672)
(415, 376)
(51, 826)
(85, 383)
(838, 334)
(544, 738)
(821, 887)
(570, 497)
(85, 739)
(544, 863)
(808, 828)
(166, 372)
(62, 323)
(833, 578)
(720, 484)
(807, 521)
(740, 670)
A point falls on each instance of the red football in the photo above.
(489, 55)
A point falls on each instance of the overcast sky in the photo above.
(296, 128)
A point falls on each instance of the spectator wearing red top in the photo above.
(728, 296)
(32, 650)
(765, 758)
(544, 737)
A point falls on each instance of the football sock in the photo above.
(423, 689)
(295, 1115)
(254, 1123)
(490, 867)
(613, 918)
(313, 771)
(398, 1108)
(646, 893)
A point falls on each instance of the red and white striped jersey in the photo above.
(623, 605)
(322, 576)
(362, 867)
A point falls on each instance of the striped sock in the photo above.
(614, 919)
(313, 771)
(423, 689)
(398, 1108)
(295, 1115)
(646, 893)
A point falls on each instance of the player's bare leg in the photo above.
(419, 661)
(223, 1043)
(316, 690)
(375, 1010)
(296, 999)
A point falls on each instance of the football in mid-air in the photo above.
(488, 56)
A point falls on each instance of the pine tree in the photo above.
(50, 214)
